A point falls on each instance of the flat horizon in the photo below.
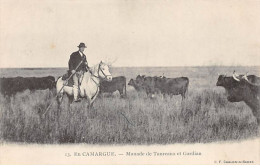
(139, 66)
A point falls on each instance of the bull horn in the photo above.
(162, 75)
(245, 77)
(235, 76)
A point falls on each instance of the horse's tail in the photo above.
(57, 80)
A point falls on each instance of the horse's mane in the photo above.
(94, 68)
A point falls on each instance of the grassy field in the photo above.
(205, 116)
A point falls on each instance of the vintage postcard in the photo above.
(130, 82)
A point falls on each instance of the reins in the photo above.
(92, 75)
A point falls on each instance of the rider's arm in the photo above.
(71, 64)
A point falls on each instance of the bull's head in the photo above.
(238, 87)
(136, 85)
(131, 82)
(235, 88)
(140, 79)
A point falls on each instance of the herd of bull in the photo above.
(10, 86)
(238, 87)
(151, 85)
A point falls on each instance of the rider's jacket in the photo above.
(75, 59)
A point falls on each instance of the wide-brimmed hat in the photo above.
(82, 45)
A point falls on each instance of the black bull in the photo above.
(117, 83)
(11, 86)
(243, 88)
(170, 86)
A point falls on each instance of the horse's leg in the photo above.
(182, 96)
(59, 101)
(91, 101)
(70, 99)
(121, 91)
(70, 102)
(60, 92)
(90, 106)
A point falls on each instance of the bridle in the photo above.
(98, 77)
(99, 69)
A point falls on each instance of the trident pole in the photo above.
(62, 87)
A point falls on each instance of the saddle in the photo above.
(70, 82)
(66, 76)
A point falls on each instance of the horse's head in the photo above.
(104, 72)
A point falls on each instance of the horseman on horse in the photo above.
(78, 58)
(85, 80)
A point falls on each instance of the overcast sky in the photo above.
(130, 32)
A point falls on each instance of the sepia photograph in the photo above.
(130, 82)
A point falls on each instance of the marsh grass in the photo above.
(205, 116)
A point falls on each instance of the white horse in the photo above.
(89, 86)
